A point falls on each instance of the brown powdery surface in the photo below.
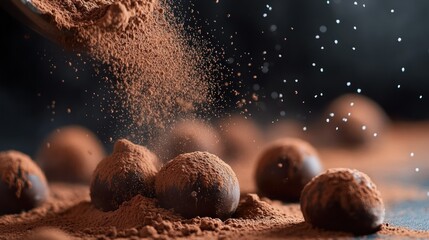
(15, 168)
(70, 210)
(127, 157)
(70, 154)
(156, 70)
(192, 167)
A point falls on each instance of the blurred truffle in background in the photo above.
(353, 120)
(239, 136)
(70, 154)
(188, 136)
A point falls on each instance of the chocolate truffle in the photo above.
(198, 184)
(129, 171)
(343, 200)
(70, 154)
(189, 136)
(240, 137)
(23, 185)
(357, 118)
(285, 167)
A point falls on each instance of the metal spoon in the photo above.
(26, 12)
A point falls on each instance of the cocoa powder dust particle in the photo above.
(157, 71)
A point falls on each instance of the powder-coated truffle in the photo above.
(343, 200)
(23, 185)
(285, 167)
(198, 184)
(129, 171)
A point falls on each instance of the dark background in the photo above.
(35, 72)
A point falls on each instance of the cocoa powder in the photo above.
(156, 70)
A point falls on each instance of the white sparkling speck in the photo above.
(412, 154)
(392, 10)
(328, 120)
(338, 21)
(313, 64)
(321, 69)
(421, 96)
(359, 90)
(264, 15)
(375, 134)
(331, 114)
(322, 47)
(403, 69)
(355, 3)
(304, 128)
(417, 169)
(399, 86)
(363, 127)
(348, 84)
(317, 37)
(399, 39)
(336, 41)
(354, 27)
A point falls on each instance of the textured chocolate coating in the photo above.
(343, 200)
(285, 167)
(70, 154)
(357, 118)
(198, 184)
(23, 185)
(129, 171)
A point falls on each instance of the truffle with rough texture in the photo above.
(285, 167)
(198, 184)
(70, 154)
(357, 118)
(129, 171)
(23, 185)
(343, 200)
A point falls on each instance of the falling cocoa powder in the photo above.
(156, 70)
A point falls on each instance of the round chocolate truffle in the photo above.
(355, 119)
(129, 171)
(70, 154)
(285, 167)
(23, 185)
(240, 137)
(343, 200)
(198, 184)
(189, 136)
